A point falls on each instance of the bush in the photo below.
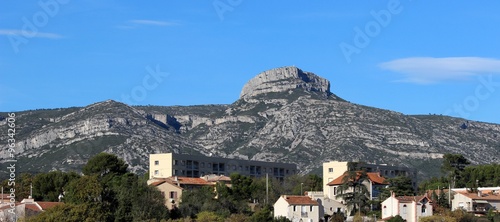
(207, 216)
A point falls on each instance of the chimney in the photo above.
(176, 178)
(479, 193)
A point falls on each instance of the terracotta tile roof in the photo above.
(157, 183)
(189, 181)
(406, 199)
(48, 205)
(32, 206)
(485, 195)
(373, 177)
(217, 178)
(299, 200)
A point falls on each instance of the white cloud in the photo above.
(30, 34)
(153, 22)
(431, 70)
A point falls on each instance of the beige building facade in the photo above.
(335, 169)
(171, 164)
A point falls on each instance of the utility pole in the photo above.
(267, 188)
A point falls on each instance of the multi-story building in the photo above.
(171, 164)
(335, 169)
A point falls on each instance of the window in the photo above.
(157, 162)
(173, 194)
(176, 162)
(311, 208)
(423, 209)
(404, 209)
(294, 208)
(334, 190)
(330, 170)
(156, 172)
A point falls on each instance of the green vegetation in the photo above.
(352, 190)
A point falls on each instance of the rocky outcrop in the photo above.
(279, 118)
(282, 80)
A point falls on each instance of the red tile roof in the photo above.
(412, 198)
(299, 200)
(189, 181)
(48, 205)
(157, 183)
(485, 195)
(373, 177)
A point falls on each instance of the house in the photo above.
(327, 206)
(172, 187)
(26, 208)
(479, 202)
(374, 183)
(335, 169)
(297, 208)
(410, 208)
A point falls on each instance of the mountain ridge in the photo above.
(302, 122)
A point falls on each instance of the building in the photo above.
(479, 202)
(26, 208)
(410, 208)
(297, 208)
(172, 187)
(373, 183)
(171, 164)
(327, 206)
(335, 169)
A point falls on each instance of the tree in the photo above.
(48, 186)
(397, 218)
(353, 190)
(104, 164)
(242, 186)
(453, 165)
(400, 185)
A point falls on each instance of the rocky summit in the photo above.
(283, 114)
(283, 80)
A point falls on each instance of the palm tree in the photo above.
(352, 190)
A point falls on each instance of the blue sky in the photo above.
(414, 57)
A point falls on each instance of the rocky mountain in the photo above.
(284, 114)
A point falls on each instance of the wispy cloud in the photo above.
(30, 34)
(154, 22)
(425, 70)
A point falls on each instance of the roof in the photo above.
(374, 177)
(412, 198)
(157, 183)
(189, 181)
(299, 200)
(217, 178)
(485, 195)
(48, 205)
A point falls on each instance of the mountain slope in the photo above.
(284, 114)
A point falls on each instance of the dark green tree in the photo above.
(397, 218)
(453, 165)
(48, 186)
(353, 190)
(105, 164)
(242, 186)
(400, 185)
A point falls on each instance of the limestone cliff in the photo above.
(283, 114)
(282, 80)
